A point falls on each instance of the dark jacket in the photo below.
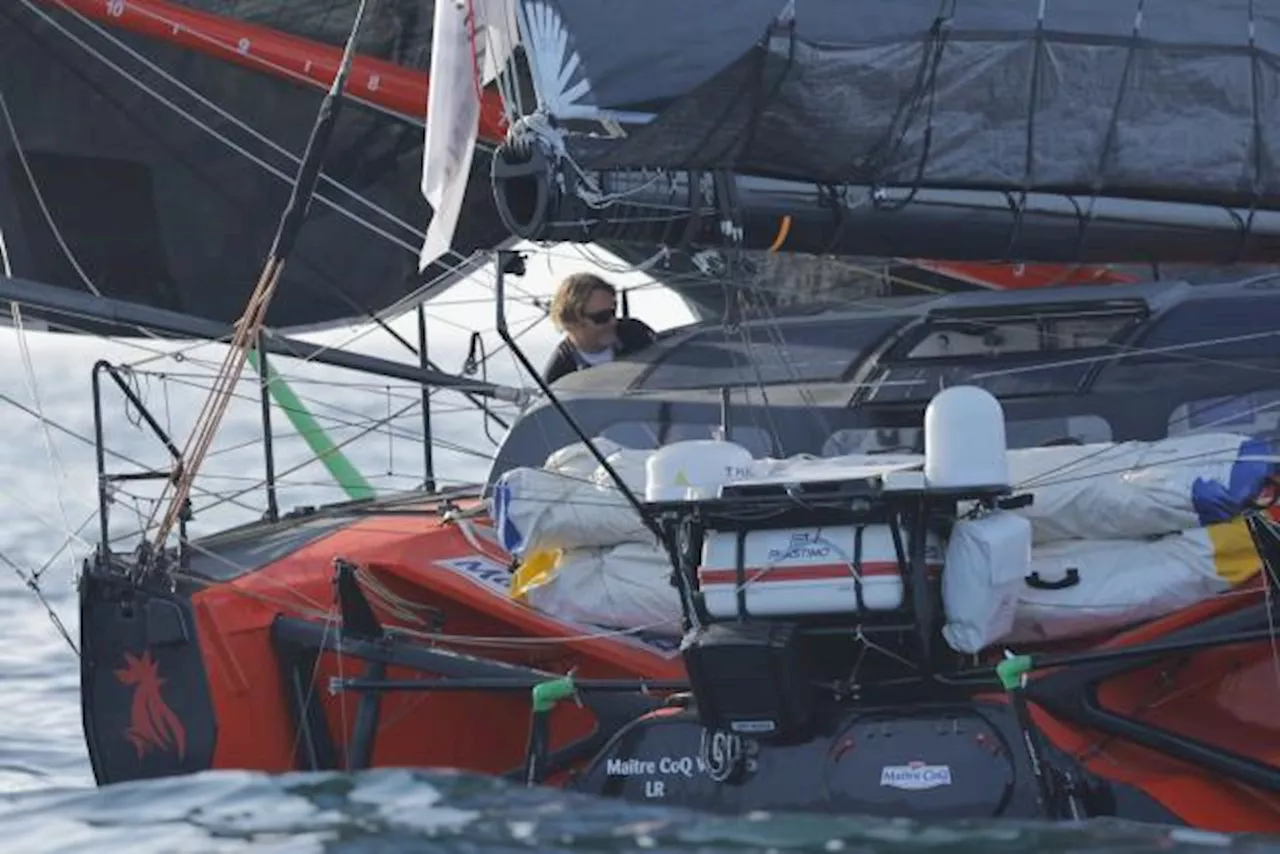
(633, 335)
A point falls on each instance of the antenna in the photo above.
(726, 422)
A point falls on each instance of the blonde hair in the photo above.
(570, 302)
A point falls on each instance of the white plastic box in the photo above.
(805, 571)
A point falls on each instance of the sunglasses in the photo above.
(603, 316)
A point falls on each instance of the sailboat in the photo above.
(813, 453)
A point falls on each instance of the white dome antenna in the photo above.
(964, 440)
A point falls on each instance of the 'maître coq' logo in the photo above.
(152, 724)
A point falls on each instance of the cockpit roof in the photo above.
(835, 345)
(1069, 360)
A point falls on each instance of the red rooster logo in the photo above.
(152, 724)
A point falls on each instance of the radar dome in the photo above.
(696, 468)
(964, 440)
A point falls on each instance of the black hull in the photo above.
(934, 762)
(157, 209)
(145, 696)
(149, 711)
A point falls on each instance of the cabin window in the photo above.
(1252, 413)
(759, 354)
(919, 382)
(1004, 335)
(1226, 329)
(1019, 433)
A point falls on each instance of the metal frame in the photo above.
(61, 301)
(100, 453)
(299, 643)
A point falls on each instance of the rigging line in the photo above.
(368, 330)
(33, 388)
(501, 347)
(754, 363)
(779, 340)
(34, 586)
(475, 400)
(5, 267)
(771, 331)
(337, 446)
(199, 548)
(180, 354)
(69, 539)
(1134, 350)
(39, 196)
(24, 505)
(241, 568)
(70, 255)
(331, 621)
(466, 640)
(420, 235)
(1120, 349)
(329, 420)
(1113, 126)
(226, 114)
(5, 398)
(1218, 455)
(314, 484)
(49, 219)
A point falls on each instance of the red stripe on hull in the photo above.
(385, 84)
(813, 572)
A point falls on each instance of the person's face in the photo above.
(598, 327)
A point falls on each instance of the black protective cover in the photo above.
(935, 763)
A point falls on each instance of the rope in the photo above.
(249, 327)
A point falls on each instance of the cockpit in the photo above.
(1072, 365)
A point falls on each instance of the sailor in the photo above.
(585, 309)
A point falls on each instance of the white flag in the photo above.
(453, 108)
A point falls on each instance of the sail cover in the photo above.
(877, 126)
(1171, 100)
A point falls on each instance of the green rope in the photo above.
(547, 694)
(351, 481)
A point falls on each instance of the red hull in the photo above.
(405, 554)
(1222, 696)
(385, 84)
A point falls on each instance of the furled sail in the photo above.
(1088, 130)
